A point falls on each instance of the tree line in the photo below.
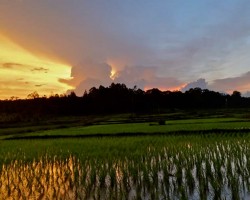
(118, 98)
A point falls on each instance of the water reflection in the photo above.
(218, 172)
(39, 180)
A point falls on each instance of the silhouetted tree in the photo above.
(236, 99)
(33, 95)
(236, 94)
(117, 98)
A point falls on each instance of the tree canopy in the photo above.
(118, 98)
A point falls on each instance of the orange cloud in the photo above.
(23, 71)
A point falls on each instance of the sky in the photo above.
(56, 46)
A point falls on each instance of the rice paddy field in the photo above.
(202, 158)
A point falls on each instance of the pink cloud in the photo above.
(240, 83)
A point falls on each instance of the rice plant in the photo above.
(170, 167)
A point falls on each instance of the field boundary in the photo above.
(128, 134)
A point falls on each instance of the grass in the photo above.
(175, 120)
(186, 125)
(116, 147)
(207, 158)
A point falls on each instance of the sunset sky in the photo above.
(54, 46)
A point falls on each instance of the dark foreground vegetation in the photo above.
(117, 98)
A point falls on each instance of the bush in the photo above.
(162, 122)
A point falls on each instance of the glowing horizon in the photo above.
(172, 89)
(23, 72)
(58, 45)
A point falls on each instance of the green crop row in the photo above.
(142, 128)
(150, 167)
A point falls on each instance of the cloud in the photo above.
(11, 65)
(87, 84)
(39, 85)
(89, 74)
(71, 31)
(239, 83)
(246, 94)
(135, 75)
(14, 66)
(145, 78)
(18, 88)
(226, 85)
(40, 69)
(92, 74)
(210, 46)
(164, 45)
(200, 83)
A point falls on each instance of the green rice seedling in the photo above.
(134, 174)
(235, 189)
(202, 189)
(216, 188)
(183, 193)
(125, 180)
(190, 181)
(218, 172)
(170, 167)
(102, 176)
(112, 175)
(179, 176)
(146, 180)
(154, 176)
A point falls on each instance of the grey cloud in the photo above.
(225, 85)
(200, 83)
(89, 74)
(240, 83)
(208, 53)
(88, 84)
(145, 77)
(141, 76)
(246, 94)
(135, 76)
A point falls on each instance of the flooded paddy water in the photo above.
(218, 169)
